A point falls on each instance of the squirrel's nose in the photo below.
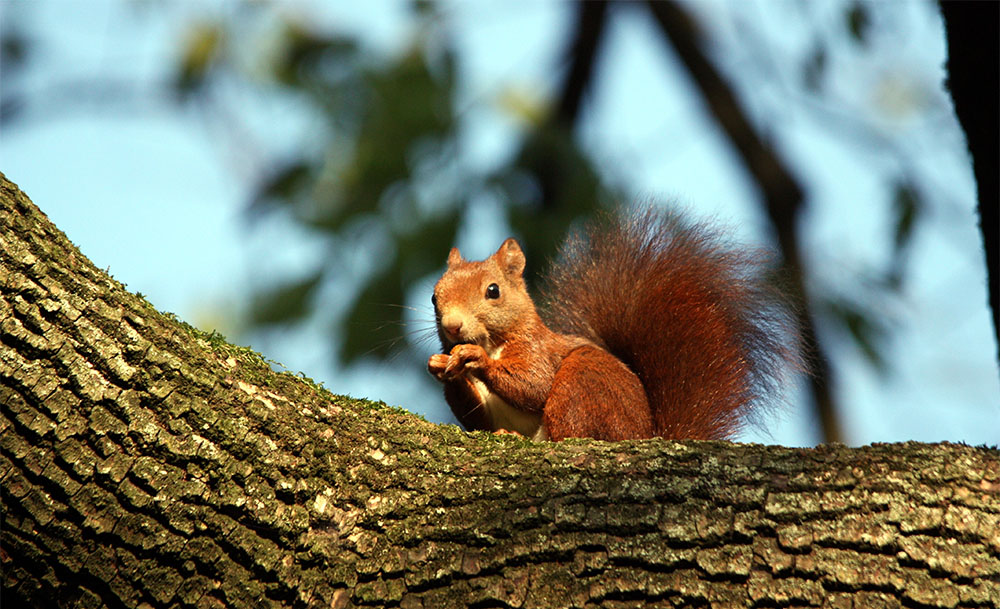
(452, 325)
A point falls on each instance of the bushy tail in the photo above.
(694, 316)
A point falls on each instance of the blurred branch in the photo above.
(543, 153)
(973, 51)
(566, 179)
(590, 22)
(107, 94)
(783, 195)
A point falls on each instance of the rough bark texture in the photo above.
(146, 464)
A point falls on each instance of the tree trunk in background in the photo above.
(972, 30)
(144, 463)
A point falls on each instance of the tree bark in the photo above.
(144, 463)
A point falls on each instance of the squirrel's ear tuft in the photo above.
(511, 258)
(454, 257)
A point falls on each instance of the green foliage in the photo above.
(815, 68)
(865, 328)
(13, 49)
(858, 21)
(907, 207)
(286, 302)
(199, 54)
(391, 170)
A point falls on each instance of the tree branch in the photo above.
(144, 463)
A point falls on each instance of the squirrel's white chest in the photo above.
(504, 416)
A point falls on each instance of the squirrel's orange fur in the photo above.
(655, 327)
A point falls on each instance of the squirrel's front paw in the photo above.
(466, 357)
(437, 365)
(461, 359)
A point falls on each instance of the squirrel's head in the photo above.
(482, 302)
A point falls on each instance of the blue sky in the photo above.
(156, 195)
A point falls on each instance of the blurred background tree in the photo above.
(382, 168)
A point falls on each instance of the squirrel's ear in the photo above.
(510, 257)
(454, 257)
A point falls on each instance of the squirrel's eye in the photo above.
(493, 291)
(434, 300)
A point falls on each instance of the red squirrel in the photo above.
(654, 326)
